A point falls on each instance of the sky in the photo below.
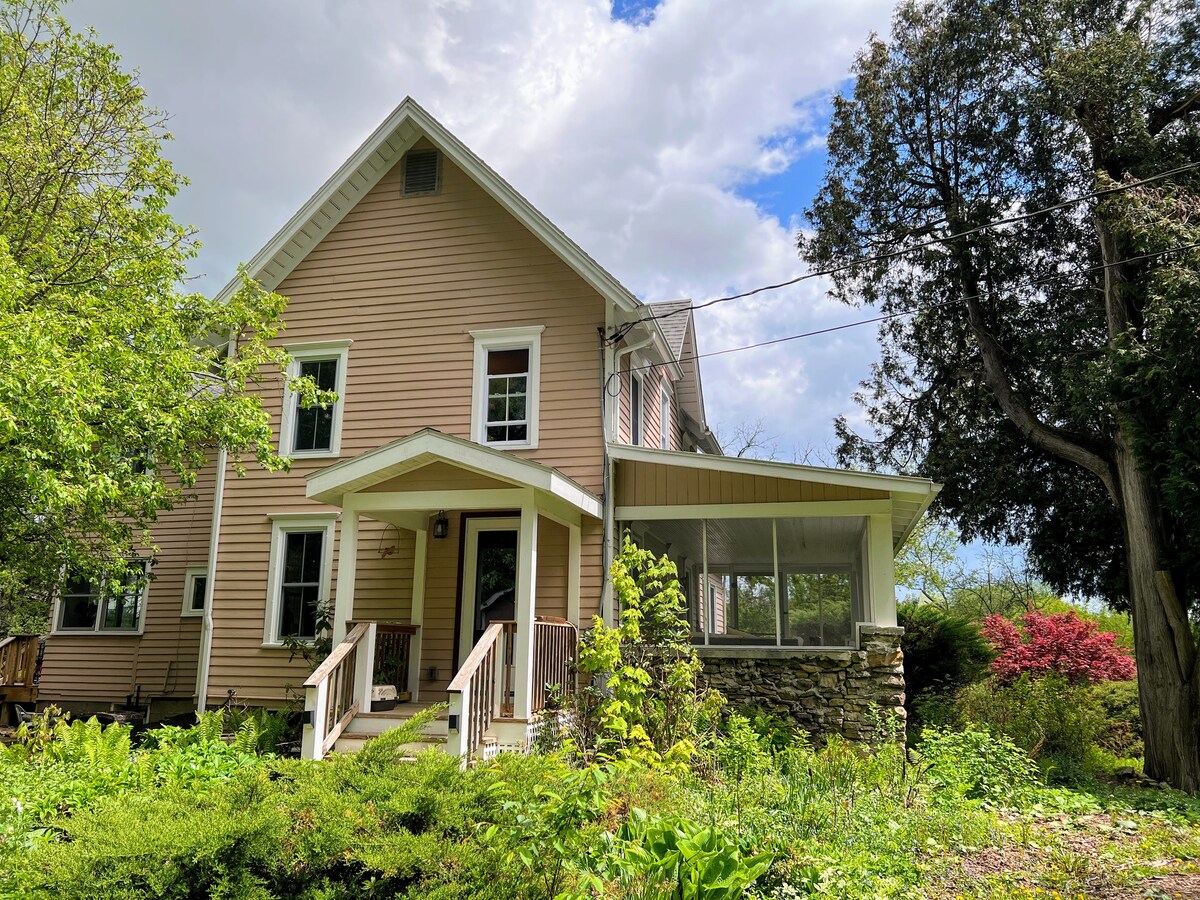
(677, 142)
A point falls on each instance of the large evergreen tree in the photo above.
(1046, 369)
(117, 386)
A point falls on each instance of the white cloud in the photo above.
(633, 139)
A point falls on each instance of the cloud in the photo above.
(640, 137)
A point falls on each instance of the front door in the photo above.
(489, 578)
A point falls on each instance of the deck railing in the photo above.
(337, 690)
(555, 652)
(393, 660)
(18, 671)
(481, 689)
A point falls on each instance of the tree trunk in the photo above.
(1168, 687)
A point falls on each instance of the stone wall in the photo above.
(823, 691)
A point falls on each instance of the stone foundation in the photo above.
(824, 692)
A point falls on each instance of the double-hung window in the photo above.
(507, 373)
(103, 606)
(315, 430)
(301, 562)
(635, 410)
(664, 417)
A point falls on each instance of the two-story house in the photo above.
(506, 411)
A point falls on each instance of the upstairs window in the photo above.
(422, 172)
(104, 606)
(507, 372)
(664, 418)
(635, 410)
(315, 430)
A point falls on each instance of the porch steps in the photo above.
(365, 726)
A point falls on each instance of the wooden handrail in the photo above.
(473, 661)
(481, 688)
(340, 652)
(387, 627)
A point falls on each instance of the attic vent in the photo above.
(422, 172)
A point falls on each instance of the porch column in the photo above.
(881, 571)
(574, 564)
(526, 592)
(347, 558)
(417, 616)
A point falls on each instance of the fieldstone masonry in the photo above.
(824, 692)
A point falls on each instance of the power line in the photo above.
(908, 312)
(893, 254)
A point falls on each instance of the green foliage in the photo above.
(1121, 733)
(976, 765)
(1055, 722)
(642, 697)
(942, 653)
(117, 388)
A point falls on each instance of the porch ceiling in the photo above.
(363, 472)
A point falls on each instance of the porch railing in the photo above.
(555, 652)
(482, 689)
(394, 661)
(337, 690)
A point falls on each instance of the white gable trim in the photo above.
(368, 164)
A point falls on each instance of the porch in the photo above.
(481, 554)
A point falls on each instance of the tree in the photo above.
(1043, 369)
(118, 387)
(1061, 643)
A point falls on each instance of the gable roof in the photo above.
(369, 163)
(673, 322)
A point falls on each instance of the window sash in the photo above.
(506, 398)
(199, 593)
(312, 431)
(302, 561)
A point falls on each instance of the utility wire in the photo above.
(892, 254)
(908, 312)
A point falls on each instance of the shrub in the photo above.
(1055, 722)
(1061, 643)
(977, 765)
(942, 652)
(1122, 731)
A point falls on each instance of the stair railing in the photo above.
(337, 690)
(478, 691)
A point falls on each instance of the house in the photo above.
(506, 411)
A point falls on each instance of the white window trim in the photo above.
(190, 574)
(280, 526)
(664, 416)
(506, 339)
(96, 630)
(639, 439)
(300, 353)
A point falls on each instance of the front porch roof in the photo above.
(428, 445)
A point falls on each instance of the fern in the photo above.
(385, 750)
(246, 739)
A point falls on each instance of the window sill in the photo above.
(94, 632)
(276, 645)
(323, 454)
(196, 614)
(509, 446)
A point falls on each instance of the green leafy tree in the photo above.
(1044, 370)
(118, 386)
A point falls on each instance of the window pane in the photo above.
(518, 433)
(293, 560)
(300, 589)
(495, 409)
(516, 408)
(820, 562)
(314, 424)
(123, 605)
(819, 609)
(312, 556)
(199, 591)
(79, 605)
(322, 371)
(298, 611)
(508, 362)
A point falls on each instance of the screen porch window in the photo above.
(507, 420)
(300, 584)
(314, 424)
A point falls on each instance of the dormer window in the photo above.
(422, 172)
(507, 370)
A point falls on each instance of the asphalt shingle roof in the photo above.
(672, 322)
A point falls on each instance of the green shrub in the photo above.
(977, 765)
(1121, 734)
(942, 653)
(1055, 722)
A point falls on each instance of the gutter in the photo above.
(214, 542)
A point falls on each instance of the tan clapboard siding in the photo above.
(655, 484)
(106, 668)
(551, 569)
(651, 407)
(406, 280)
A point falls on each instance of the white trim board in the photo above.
(793, 510)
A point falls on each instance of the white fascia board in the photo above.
(360, 173)
(867, 480)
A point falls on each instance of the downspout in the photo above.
(214, 541)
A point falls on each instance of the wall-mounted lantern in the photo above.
(441, 526)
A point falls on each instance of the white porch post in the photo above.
(574, 564)
(881, 572)
(526, 592)
(417, 616)
(343, 608)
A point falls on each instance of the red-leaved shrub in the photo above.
(1063, 643)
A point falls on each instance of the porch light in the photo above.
(441, 526)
